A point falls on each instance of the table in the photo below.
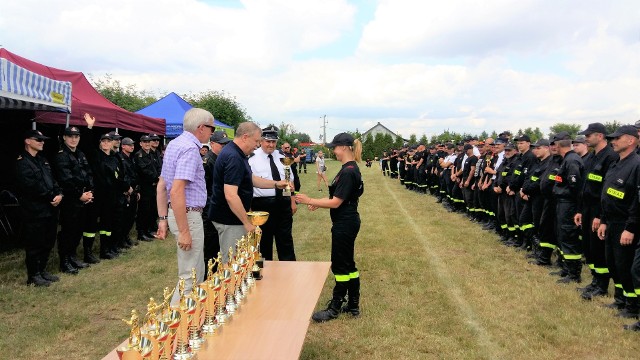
(273, 320)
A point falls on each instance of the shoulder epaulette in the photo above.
(60, 151)
(19, 157)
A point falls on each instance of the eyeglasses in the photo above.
(210, 126)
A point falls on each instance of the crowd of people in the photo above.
(574, 200)
(100, 194)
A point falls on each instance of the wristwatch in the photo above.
(163, 217)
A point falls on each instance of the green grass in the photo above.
(434, 286)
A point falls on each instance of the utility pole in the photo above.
(324, 129)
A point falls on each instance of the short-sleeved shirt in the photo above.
(232, 168)
(261, 167)
(347, 185)
(182, 161)
(320, 162)
(469, 162)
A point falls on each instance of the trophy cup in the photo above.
(212, 287)
(186, 309)
(154, 330)
(257, 218)
(287, 161)
(138, 346)
(230, 284)
(199, 296)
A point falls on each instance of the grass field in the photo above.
(434, 286)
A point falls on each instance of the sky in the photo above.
(416, 66)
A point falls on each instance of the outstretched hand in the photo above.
(90, 120)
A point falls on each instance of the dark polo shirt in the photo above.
(232, 168)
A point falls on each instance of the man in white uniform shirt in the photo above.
(265, 163)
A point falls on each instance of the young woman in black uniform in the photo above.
(344, 192)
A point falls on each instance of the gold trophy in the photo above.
(199, 296)
(186, 308)
(138, 347)
(257, 218)
(287, 161)
(229, 280)
(212, 287)
(155, 330)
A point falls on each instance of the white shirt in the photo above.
(261, 167)
(498, 162)
(320, 163)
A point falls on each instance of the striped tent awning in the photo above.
(26, 90)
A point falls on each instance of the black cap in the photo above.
(580, 139)
(523, 137)
(127, 141)
(114, 135)
(342, 139)
(71, 130)
(145, 138)
(219, 137)
(36, 134)
(468, 147)
(510, 146)
(501, 140)
(637, 124)
(562, 135)
(594, 128)
(154, 136)
(541, 142)
(624, 130)
(106, 137)
(460, 143)
(505, 133)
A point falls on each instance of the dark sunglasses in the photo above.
(210, 126)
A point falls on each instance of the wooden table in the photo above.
(273, 320)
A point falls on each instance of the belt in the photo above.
(191, 208)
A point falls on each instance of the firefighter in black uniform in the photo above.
(618, 221)
(385, 163)
(402, 170)
(393, 163)
(39, 196)
(566, 190)
(78, 217)
(456, 191)
(420, 174)
(156, 151)
(344, 192)
(110, 190)
(530, 191)
(508, 199)
(147, 180)
(595, 167)
(125, 157)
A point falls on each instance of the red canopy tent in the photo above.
(87, 100)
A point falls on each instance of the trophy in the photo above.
(257, 218)
(155, 330)
(212, 287)
(138, 347)
(287, 161)
(186, 308)
(199, 296)
(230, 285)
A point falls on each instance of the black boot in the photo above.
(574, 268)
(630, 310)
(105, 247)
(618, 300)
(353, 299)
(33, 275)
(87, 244)
(77, 263)
(66, 266)
(42, 267)
(599, 288)
(335, 304)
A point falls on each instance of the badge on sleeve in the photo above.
(572, 178)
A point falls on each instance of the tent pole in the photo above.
(68, 116)
(33, 125)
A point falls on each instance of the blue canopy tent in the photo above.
(25, 90)
(172, 108)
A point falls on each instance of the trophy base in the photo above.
(260, 263)
(257, 275)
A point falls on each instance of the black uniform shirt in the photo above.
(348, 186)
(147, 168)
(35, 186)
(620, 192)
(595, 168)
(73, 172)
(466, 169)
(531, 186)
(525, 161)
(570, 177)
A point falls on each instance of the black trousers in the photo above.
(343, 239)
(124, 219)
(593, 247)
(76, 221)
(547, 232)
(385, 167)
(146, 206)
(403, 173)
(38, 237)
(211, 239)
(501, 216)
(568, 236)
(620, 259)
(510, 214)
(278, 227)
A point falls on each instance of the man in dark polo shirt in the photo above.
(233, 185)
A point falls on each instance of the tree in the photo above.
(424, 140)
(398, 142)
(484, 135)
(533, 134)
(612, 126)
(572, 129)
(127, 97)
(221, 104)
(368, 147)
(413, 139)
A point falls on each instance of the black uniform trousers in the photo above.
(38, 237)
(592, 246)
(343, 264)
(124, 220)
(510, 214)
(76, 221)
(145, 209)
(279, 226)
(547, 229)
(403, 173)
(211, 239)
(635, 271)
(385, 167)
(525, 219)
(568, 236)
(620, 260)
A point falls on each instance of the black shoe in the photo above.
(624, 313)
(632, 327)
(331, 312)
(77, 263)
(144, 237)
(106, 256)
(569, 280)
(49, 277)
(89, 258)
(353, 311)
(589, 295)
(37, 280)
(615, 305)
(66, 267)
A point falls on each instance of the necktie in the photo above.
(275, 174)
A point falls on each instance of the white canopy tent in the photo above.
(23, 89)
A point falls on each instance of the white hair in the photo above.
(194, 118)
